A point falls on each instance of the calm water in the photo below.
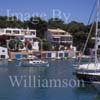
(57, 70)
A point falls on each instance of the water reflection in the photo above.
(58, 69)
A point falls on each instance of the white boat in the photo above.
(29, 62)
(90, 72)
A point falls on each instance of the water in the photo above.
(57, 70)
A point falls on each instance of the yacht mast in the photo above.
(96, 46)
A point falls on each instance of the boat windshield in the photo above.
(84, 60)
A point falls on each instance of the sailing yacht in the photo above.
(90, 72)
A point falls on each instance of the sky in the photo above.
(67, 10)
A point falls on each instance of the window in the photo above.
(99, 46)
(16, 31)
(62, 33)
(8, 31)
(3, 50)
(56, 39)
(21, 38)
(63, 39)
(2, 56)
(69, 39)
(32, 33)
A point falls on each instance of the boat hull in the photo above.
(88, 78)
(36, 65)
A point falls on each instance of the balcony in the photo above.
(30, 34)
(62, 40)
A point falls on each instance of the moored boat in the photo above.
(35, 62)
(90, 72)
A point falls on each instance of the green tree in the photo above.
(54, 23)
(75, 27)
(56, 46)
(29, 47)
(38, 24)
(46, 45)
(11, 22)
(15, 45)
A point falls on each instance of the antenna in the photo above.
(96, 38)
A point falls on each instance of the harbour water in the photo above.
(60, 69)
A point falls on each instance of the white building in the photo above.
(36, 46)
(25, 35)
(58, 36)
(12, 33)
(3, 53)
